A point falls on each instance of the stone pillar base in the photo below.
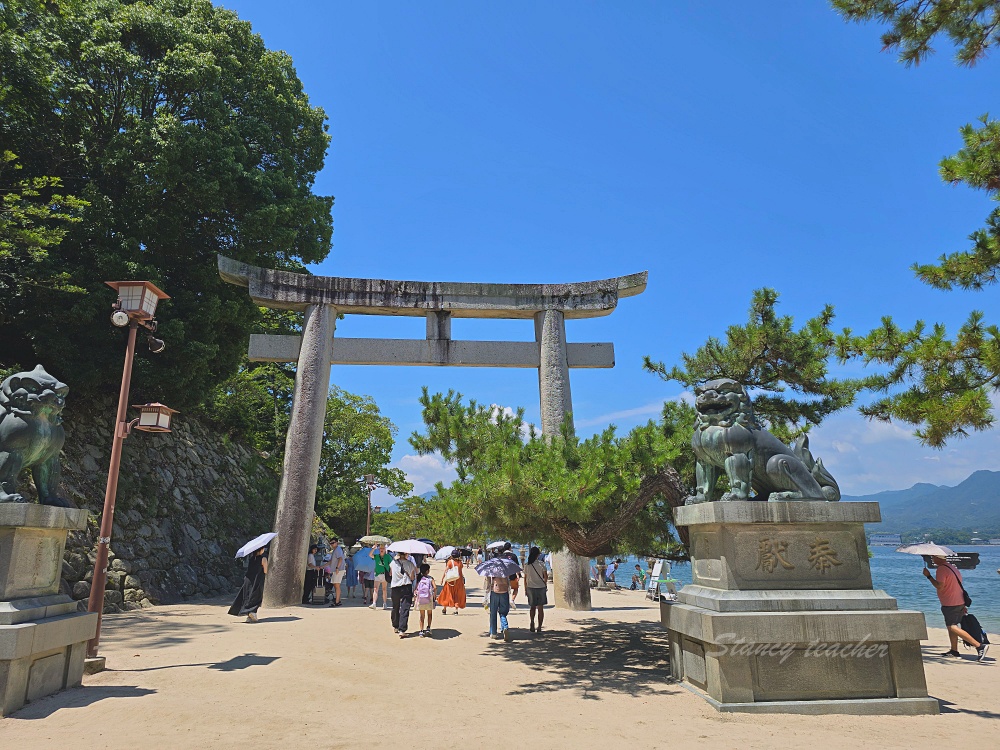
(43, 639)
(781, 616)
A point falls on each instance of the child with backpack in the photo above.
(424, 591)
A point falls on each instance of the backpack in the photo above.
(970, 624)
(425, 589)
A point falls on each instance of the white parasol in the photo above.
(444, 553)
(255, 544)
(411, 547)
(926, 548)
(496, 545)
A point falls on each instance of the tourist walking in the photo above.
(499, 589)
(350, 577)
(338, 569)
(382, 574)
(312, 573)
(423, 592)
(515, 580)
(951, 594)
(403, 573)
(453, 584)
(536, 579)
(248, 601)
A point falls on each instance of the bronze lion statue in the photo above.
(32, 434)
(727, 438)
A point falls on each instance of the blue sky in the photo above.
(721, 147)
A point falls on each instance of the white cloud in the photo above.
(426, 471)
(652, 409)
(867, 457)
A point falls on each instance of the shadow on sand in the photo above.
(230, 665)
(169, 628)
(947, 707)
(78, 698)
(619, 657)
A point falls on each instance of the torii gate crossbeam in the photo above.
(322, 298)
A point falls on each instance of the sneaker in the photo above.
(532, 627)
(428, 633)
(371, 606)
(981, 651)
(951, 653)
(506, 635)
(386, 608)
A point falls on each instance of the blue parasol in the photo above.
(362, 562)
(498, 567)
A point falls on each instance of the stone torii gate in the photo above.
(322, 298)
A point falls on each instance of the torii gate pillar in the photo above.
(300, 471)
(570, 573)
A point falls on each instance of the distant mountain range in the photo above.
(973, 505)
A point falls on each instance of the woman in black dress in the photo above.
(252, 593)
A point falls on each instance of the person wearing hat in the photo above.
(453, 584)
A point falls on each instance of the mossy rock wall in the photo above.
(186, 502)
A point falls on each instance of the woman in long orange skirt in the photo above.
(453, 591)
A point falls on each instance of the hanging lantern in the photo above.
(154, 417)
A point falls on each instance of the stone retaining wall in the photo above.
(186, 502)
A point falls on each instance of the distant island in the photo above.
(968, 513)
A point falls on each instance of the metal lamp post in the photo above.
(135, 308)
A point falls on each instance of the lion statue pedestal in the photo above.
(43, 639)
(781, 616)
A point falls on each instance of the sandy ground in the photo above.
(191, 676)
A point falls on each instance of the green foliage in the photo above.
(973, 26)
(357, 440)
(940, 384)
(978, 166)
(34, 217)
(770, 357)
(948, 380)
(185, 136)
(604, 495)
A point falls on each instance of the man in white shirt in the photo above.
(401, 590)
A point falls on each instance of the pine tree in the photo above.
(945, 381)
(771, 358)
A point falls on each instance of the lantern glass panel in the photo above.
(164, 420)
(131, 296)
(149, 300)
(147, 419)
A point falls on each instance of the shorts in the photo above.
(369, 583)
(537, 597)
(953, 615)
(515, 585)
(337, 576)
(428, 607)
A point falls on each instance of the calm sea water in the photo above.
(899, 576)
